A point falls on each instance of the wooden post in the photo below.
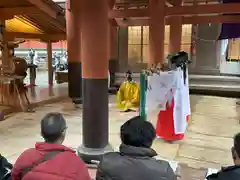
(156, 31)
(5, 51)
(175, 37)
(95, 54)
(50, 68)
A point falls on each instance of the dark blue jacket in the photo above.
(229, 173)
(5, 166)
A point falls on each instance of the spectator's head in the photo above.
(138, 132)
(53, 128)
(236, 149)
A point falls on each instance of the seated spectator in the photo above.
(50, 160)
(231, 172)
(135, 161)
(5, 168)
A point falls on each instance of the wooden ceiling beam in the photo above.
(59, 20)
(128, 13)
(44, 7)
(4, 17)
(44, 37)
(19, 11)
(218, 19)
(56, 23)
(113, 22)
(174, 2)
(229, 8)
(132, 22)
(111, 3)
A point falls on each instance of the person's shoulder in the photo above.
(162, 164)
(70, 154)
(72, 157)
(111, 155)
(26, 157)
(110, 160)
(231, 172)
(75, 163)
(28, 152)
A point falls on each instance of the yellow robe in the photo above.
(128, 96)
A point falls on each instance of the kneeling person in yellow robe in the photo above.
(128, 95)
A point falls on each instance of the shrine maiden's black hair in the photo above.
(137, 132)
(52, 127)
(237, 144)
(180, 59)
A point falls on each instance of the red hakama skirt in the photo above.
(165, 125)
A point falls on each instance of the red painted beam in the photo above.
(20, 11)
(186, 20)
(111, 5)
(218, 19)
(230, 8)
(44, 7)
(44, 37)
(128, 13)
(113, 22)
(174, 2)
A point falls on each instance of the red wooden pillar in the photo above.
(112, 33)
(175, 37)
(112, 41)
(73, 17)
(112, 45)
(156, 31)
(95, 54)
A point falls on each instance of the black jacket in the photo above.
(4, 166)
(133, 163)
(229, 173)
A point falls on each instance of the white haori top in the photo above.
(168, 86)
(181, 103)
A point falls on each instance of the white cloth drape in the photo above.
(108, 79)
(224, 45)
(159, 83)
(162, 89)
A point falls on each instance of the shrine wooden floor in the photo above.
(207, 143)
(41, 95)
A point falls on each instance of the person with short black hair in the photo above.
(50, 159)
(53, 128)
(136, 160)
(137, 133)
(231, 172)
